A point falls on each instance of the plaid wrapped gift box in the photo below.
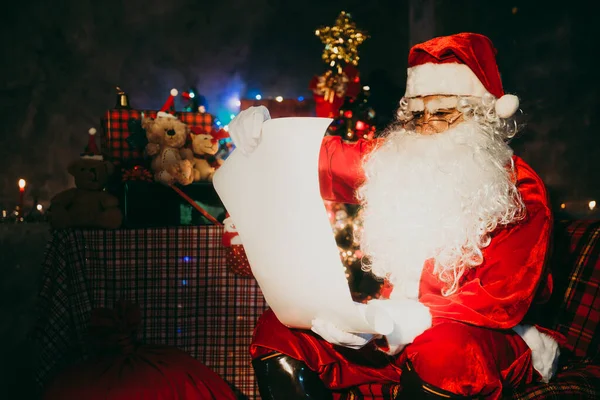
(116, 142)
(177, 276)
(201, 120)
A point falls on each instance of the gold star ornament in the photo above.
(341, 41)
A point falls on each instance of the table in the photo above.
(178, 277)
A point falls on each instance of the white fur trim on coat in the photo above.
(444, 79)
(411, 318)
(433, 105)
(544, 350)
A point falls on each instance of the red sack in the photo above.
(125, 370)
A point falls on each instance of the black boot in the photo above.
(413, 387)
(281, 377)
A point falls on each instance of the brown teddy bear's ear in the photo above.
(147, 123)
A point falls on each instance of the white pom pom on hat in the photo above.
(174, 92)
(507, 105)
(92, 131)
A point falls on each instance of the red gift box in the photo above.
(116, 125)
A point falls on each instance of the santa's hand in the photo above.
(411, 318)
(246, 128)
(335, 335)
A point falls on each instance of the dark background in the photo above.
(62, 60)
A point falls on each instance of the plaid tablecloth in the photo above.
(177, 276)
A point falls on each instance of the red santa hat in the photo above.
(168, 109)
(91, 151)
(458, 65)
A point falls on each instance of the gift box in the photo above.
(123, 139)
(200, 120)
(149, 204)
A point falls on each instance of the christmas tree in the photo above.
(339, 94)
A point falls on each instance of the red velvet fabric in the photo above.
(338, 367)
(474, 50)
(453, 356)
(340, 168)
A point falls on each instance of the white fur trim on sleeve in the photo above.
(544, 350)
(445, 79)
(411, 318)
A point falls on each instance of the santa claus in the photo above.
(456, 222)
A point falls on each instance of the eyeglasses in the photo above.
(438, 121)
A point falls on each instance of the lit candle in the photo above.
(22, 184)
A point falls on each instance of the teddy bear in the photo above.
(87, 205)
(167, 136)
(205, 147)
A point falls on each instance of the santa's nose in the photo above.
(171, 132)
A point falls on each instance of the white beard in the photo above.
(435, 197)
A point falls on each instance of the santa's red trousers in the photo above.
(453, 356)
